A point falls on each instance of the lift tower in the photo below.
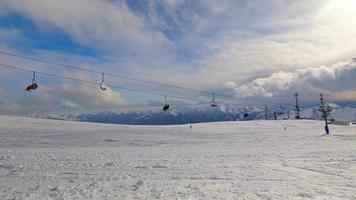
(297, 116)
(324, 110)
(266, 112)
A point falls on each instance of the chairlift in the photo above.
(166, 106)
(102, 84)
(246, 116)
(212, 102)
(34, 85)
(326, 108)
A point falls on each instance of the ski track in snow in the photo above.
(47, 159)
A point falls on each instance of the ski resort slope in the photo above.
(47, 159)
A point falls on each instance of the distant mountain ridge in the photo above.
(197, 114)
(173, 116)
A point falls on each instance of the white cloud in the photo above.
(230, 84)
(242, 41)
(91, 97)
(285, 37)
(309, 81)
(230, 40)
(94, 23)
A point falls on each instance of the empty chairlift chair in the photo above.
(212, 102)
(102, 84)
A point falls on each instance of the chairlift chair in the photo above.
(212, 102)
(34, 85)
(102, 84)
(245, 116)
(166, 106)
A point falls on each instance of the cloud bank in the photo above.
(309, 81)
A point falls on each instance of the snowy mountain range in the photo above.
(175, 116)
(342, 111)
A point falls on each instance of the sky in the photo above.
(258, 51)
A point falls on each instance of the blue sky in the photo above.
(250, 49)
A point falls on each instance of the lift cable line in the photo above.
(204, 92)
(198, 101)
(117, 75)
(96, 83)
(110, 85)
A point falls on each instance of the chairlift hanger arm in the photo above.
(34, 77)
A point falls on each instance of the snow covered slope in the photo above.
(48, 159)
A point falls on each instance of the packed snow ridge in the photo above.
(284, 159)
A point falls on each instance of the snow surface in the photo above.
(48, 159)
